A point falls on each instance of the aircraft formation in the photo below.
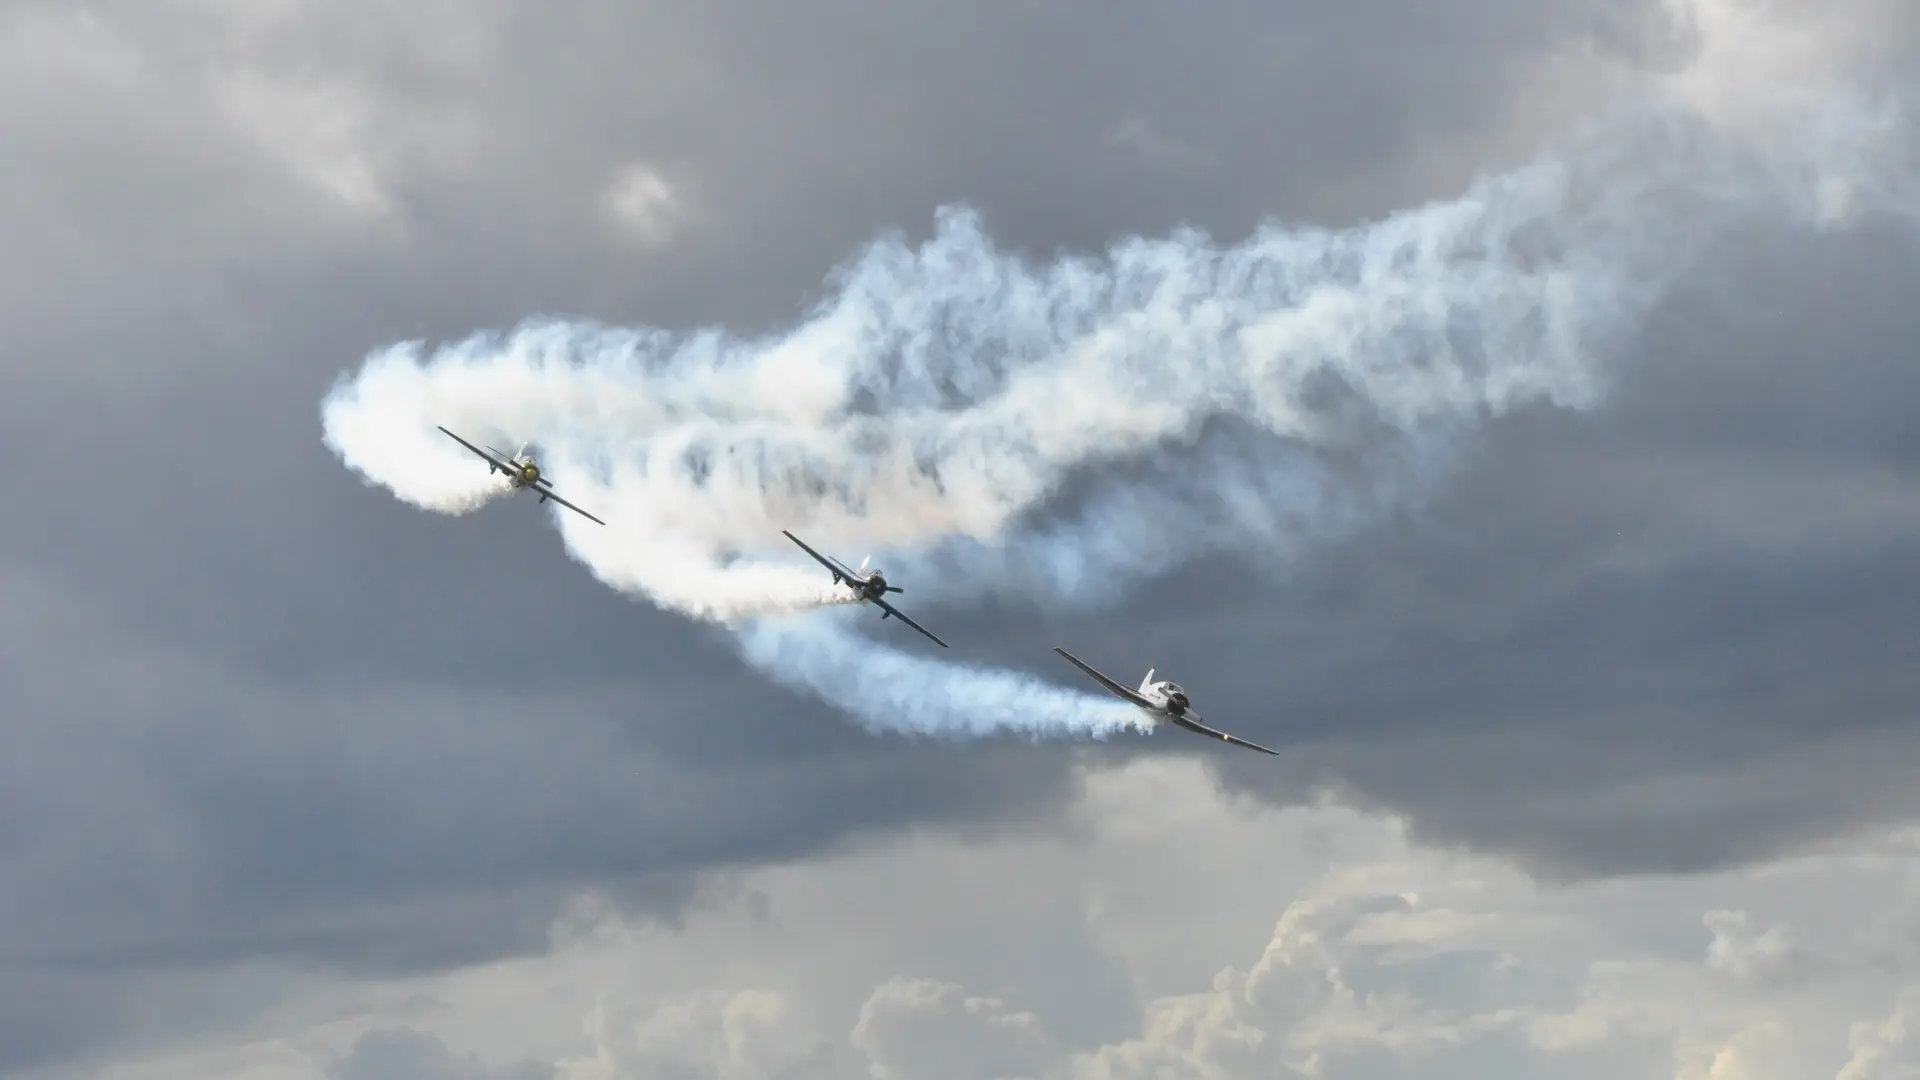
(1161, 700)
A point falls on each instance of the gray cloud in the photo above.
(924, 1030)
(1670, 630)
(1386, 958)
(254, 709)
(166, 814)
(403, 1054)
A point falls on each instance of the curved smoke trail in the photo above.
(1204, 397)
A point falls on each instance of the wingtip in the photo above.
(1251, 745)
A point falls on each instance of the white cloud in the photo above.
(642, 201)
(1130, 945)
(1145, 140)
(746, 1035)
(1744, 953)
(321, 132)
(1885, 1049)
(277, 80)
(918, 1029)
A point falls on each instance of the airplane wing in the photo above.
(839, 572)
(548, 494)
(896, 613)
(1116, 689)
(1192, 723)
(482, 453)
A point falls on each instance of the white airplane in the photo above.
(522, 472)
(1164, 700)
(869, 585)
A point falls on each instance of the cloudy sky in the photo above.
(1595, 702)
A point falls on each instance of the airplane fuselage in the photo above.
(866, 589)
(1160, 698)
(525, 474)
(872, 588)
(1167, 697)
(867, 584)
(521, 472)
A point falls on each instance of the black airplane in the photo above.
(870, 586)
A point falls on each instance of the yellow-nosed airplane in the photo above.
(522, 472)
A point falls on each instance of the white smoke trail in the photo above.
(895, 691)
(946, 396)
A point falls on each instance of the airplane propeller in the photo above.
(864, 572)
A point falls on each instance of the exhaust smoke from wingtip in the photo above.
(945, 394)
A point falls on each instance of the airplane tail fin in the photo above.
(1146, 682)
(864, 561)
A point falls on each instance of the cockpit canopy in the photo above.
(1172, 690)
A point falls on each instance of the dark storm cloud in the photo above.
(1667, 635)
(162, 813)
(255, 709)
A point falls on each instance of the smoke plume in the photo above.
(1056, 433)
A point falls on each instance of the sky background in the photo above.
(1596, 762)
